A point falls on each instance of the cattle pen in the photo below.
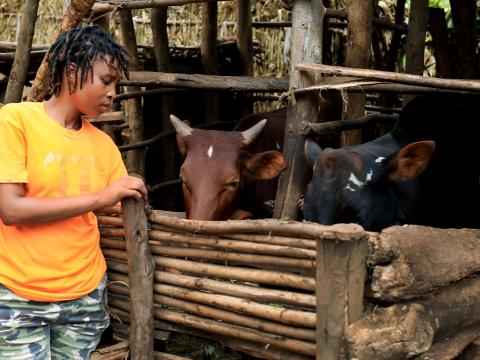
(280, 288)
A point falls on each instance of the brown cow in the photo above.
(217, 167)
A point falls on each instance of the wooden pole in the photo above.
(135, 158)
(208, 52)
(307, 28)
(359, 42)
(143, 4)
(437, 26)
(340, 281)
(245, 44)
(18, 73)
(76, 11)
(140, 274)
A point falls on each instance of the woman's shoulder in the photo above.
(19, 111)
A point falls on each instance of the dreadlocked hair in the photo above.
(82, 46)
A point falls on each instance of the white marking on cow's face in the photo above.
(369, 175)
(349, 188)
(210, 151)
(354, 180)
(379, 159)
(278, 146)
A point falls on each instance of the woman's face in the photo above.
(97, 92)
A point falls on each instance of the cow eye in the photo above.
(232, 184)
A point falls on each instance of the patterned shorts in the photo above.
(51, 330)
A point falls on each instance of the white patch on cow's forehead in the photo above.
(355, 180)
(349, 188)
(369, 175)
(278, 146)
(210, 151)
(379, 159)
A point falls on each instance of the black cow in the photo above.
(424, 171)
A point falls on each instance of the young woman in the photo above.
(55, 169)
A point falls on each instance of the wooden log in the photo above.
(275, 240)
(415, 45)
(407, 329)
(216, 327)
(218, 314)
(451, 84)
(452, 346)
(140, 271)
(117, 351)
(393, 51)
(400, 268)
(206, 82)
(8, 46)
(244, 35)
(114, 5)
(18, 72)
(266, 226)
(116, 210)
(472, 351)
(359, 42)
(340, 281)
(109, 118)
(76, 11)
(135, 158)
(235, 245)
(257, 294)
(227, 272)
(307, 34)
(110, 220)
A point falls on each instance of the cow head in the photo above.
(216, 167)
(357, 186)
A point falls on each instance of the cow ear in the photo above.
(266, 165)
(410, 161)
(312, 150)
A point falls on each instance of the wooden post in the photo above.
(340, 281)
(392, 54)
(208, 50)
(158, 21)
(463, 16)
(437, 25)
(307, 34)
(415, 47)
(245, 43)
(135, 158)
(140, 278)
(18, 74)
(359, 42)
(76, 11)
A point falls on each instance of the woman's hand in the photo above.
(127, 186)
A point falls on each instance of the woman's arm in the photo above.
(18, 209)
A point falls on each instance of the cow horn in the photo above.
(181, 128)
(251, 134)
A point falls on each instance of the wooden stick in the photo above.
(227, 272)
(258, 294)
(451, 84)
(337, 126)
(110, 118)
(273, 239)
(216, 327)
(110, 220)
(217, 314)
(343, 232)
(278, 314)
(205, 82)
(106, 6)
(241, 246)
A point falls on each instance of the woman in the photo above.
(55, 169)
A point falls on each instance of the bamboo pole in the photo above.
(76, 11)
(216, 327)
(408, 79)
(140, 274)
(225, 288)
(18, 73)
(205, 82)
(136, 158)
(189, 300)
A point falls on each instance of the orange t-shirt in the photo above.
(61, 260)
